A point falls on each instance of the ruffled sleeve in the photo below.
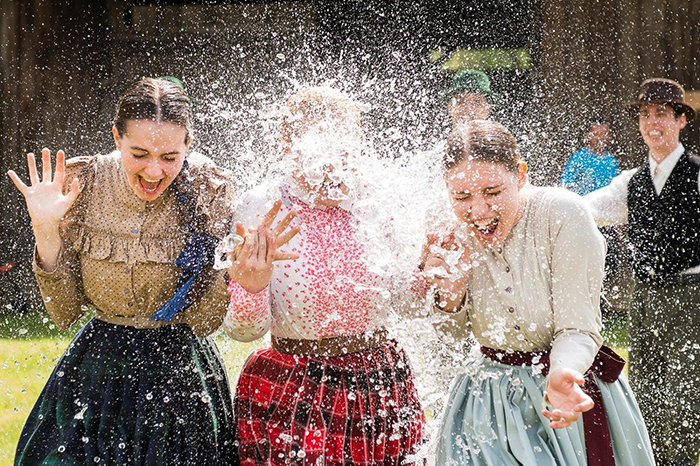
(61, 288)
(214, 201)
(214, 194)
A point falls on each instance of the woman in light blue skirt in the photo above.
(543, 389)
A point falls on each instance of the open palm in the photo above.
(566, 398)
(46, 203)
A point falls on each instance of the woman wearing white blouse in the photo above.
(530, 288)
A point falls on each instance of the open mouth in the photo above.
(487, 229)
(149, 186)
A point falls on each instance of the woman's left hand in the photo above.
(566, 397)
(253, 261)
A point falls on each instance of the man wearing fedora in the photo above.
(661, 203)
(470, 97)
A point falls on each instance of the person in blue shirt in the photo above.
(588, 169)
(591, 167)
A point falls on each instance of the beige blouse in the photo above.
(541, 289)
(119, 252)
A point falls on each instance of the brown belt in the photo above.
(332, 346)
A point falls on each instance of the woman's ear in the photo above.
(117, 139)
(522, 174)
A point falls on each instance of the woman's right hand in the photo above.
(253, 261)
(46, 203)
(450, 281)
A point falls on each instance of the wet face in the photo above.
(152, 155)
(660, 129)
(486, 196)
(320, 155)
(468, 106)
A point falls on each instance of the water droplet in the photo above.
(61, 448)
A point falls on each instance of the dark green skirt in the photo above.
(121, 395)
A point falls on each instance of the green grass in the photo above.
(30, 347)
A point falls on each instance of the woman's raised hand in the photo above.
(253, 261)
(46, 203)
(445, 263)
(565, 395)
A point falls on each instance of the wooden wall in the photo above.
(64, 62)
(596, 52)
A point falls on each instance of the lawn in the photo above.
(31, 345)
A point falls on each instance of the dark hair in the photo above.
(597, 121)
(157, 100)
(482, 140)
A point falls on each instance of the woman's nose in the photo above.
(153, 170)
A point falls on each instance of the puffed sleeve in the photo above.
(62, 288)
(249, 316)
(578, 258)
(214, 202)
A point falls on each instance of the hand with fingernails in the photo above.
(253, 260)
(566, 397)
(47, 204)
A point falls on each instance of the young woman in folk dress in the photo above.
(529, 284)
(132, 234)
(333, 389)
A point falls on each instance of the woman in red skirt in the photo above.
(333, 389)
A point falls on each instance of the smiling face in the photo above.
(660, 129)
(152, 155)
(486, 196)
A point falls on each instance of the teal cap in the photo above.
(474, 82)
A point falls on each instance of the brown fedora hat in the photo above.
(662, 91)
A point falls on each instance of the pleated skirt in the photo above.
(493, 417)
(121, 395)
(357, 409)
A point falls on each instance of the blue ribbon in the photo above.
(197, 253)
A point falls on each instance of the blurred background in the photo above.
(555, 63)
(63, 63)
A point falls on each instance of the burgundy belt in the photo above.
(607, 366)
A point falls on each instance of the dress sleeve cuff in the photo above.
(573, 350)
(50, 275)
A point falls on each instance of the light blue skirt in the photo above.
(492, 417)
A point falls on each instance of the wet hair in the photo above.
(482, 140)
(316, 105)
(154, 99)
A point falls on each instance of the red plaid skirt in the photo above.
(356, 409)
